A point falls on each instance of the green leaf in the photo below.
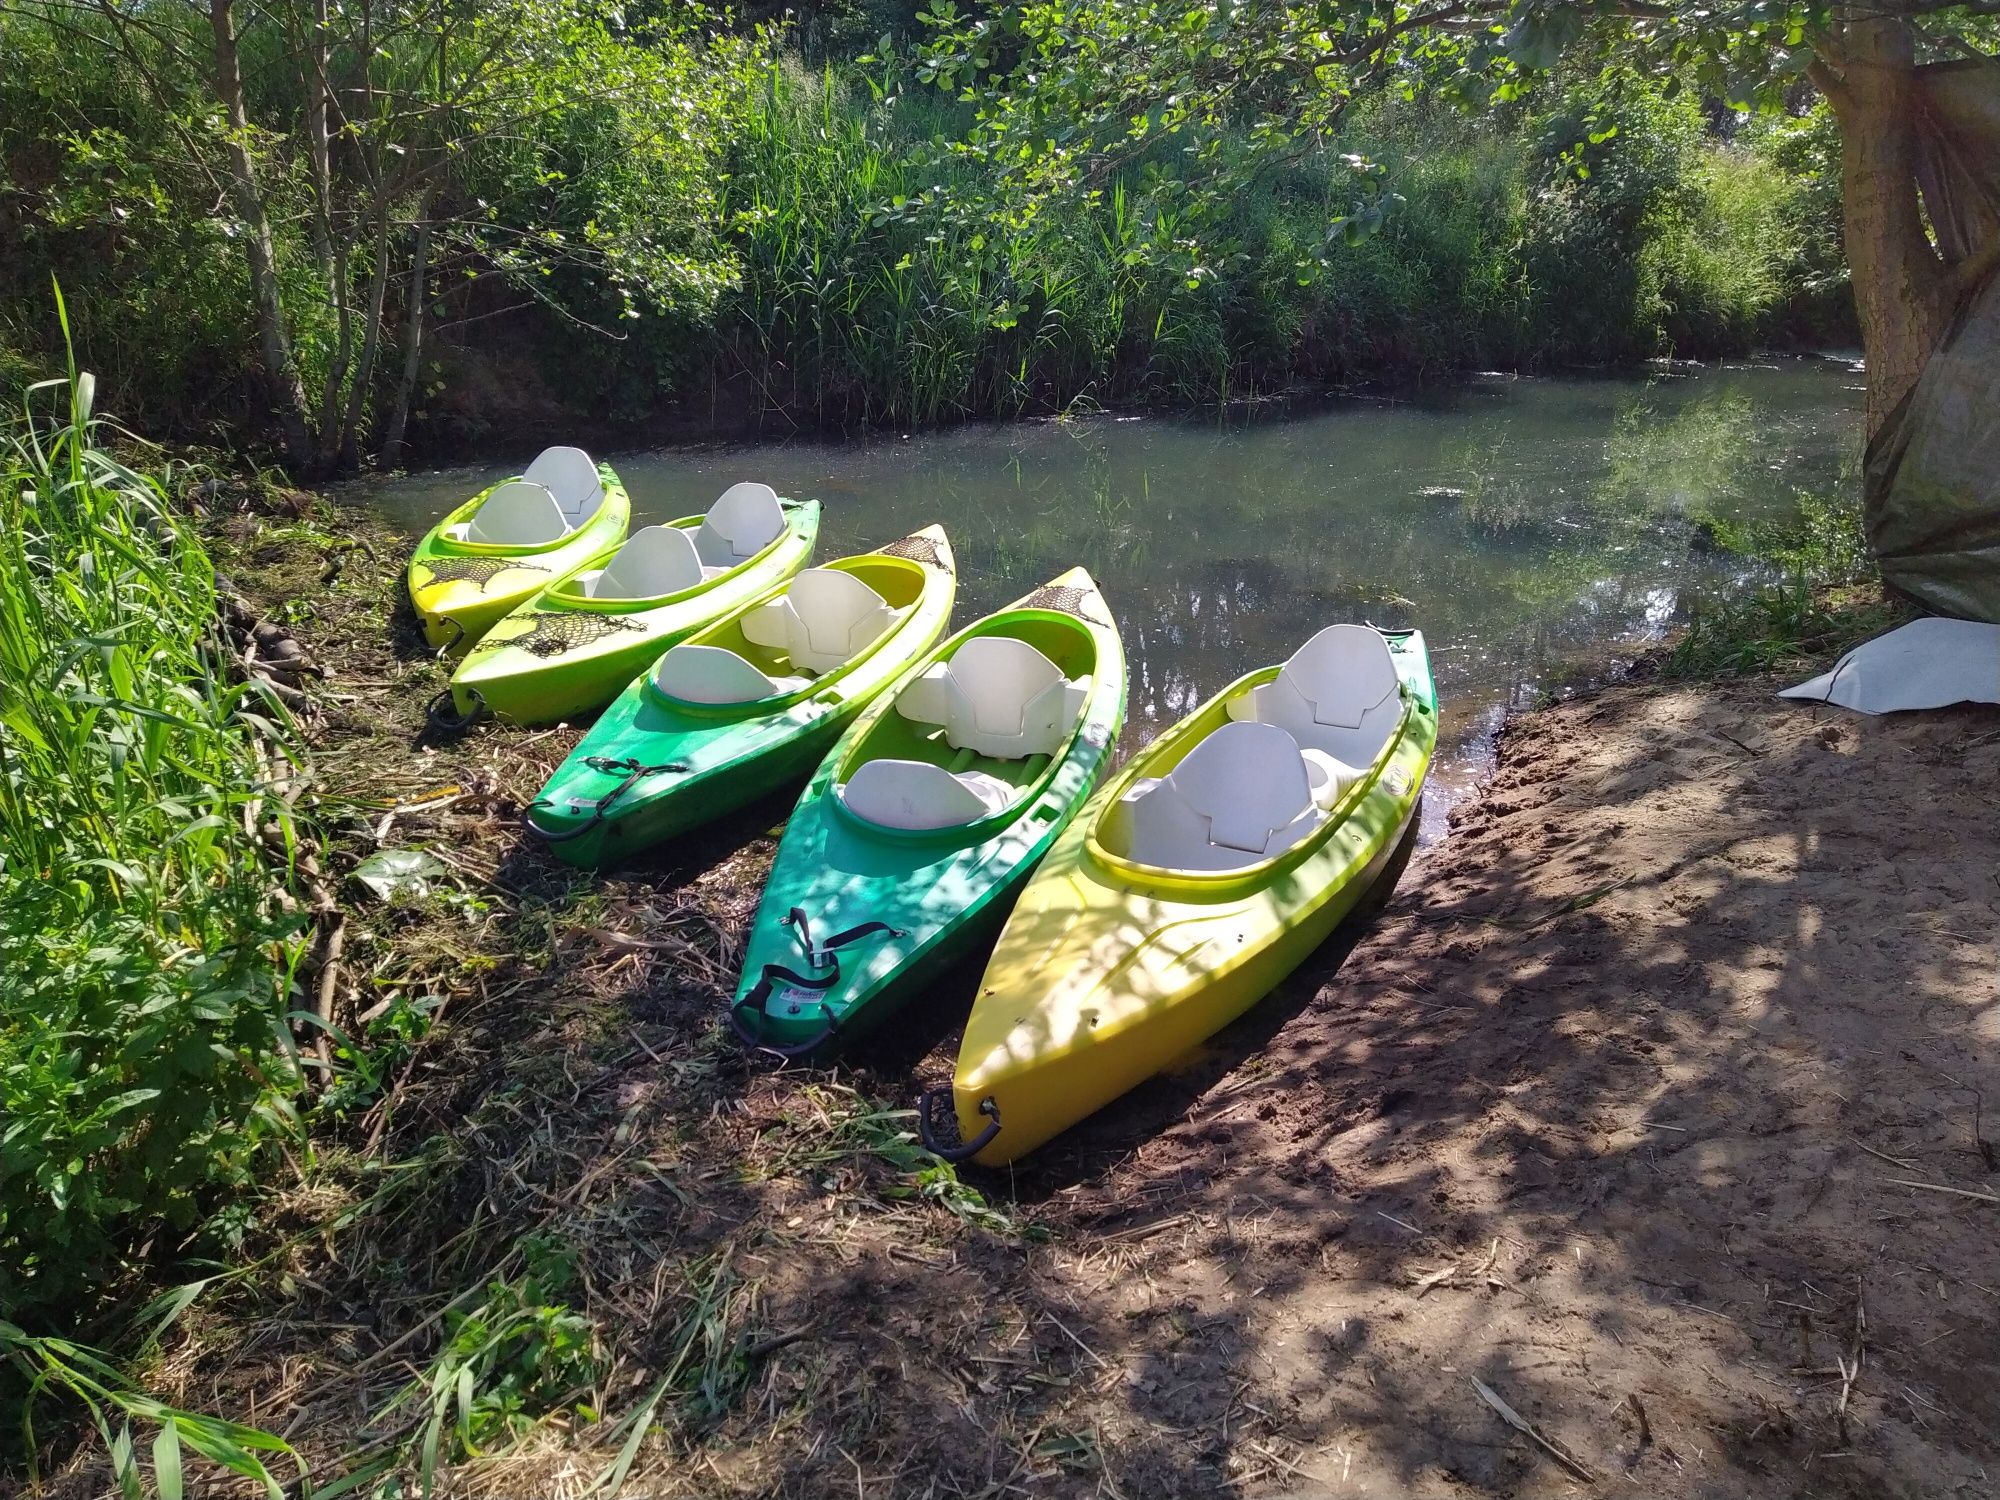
(167, 1463)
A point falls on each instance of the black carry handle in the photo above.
(444, 719)
(750, 1039)
(967, 1150)
(458, 635)
(796, 919)
(761, 991)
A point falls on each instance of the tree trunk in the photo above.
(288, 391)
(413, 342)
(371, 341)
(1903, 295)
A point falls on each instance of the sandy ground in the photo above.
(1603, 1113)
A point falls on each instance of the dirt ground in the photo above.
(1602, 1110)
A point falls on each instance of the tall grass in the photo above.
(147, 943)
(870, 292)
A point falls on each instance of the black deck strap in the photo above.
(967, 1150)
(635, 771)
(820, 956)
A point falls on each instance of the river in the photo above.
(1529, 527)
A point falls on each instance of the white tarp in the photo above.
(1925, 664)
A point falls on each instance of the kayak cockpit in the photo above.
(660, 563)
(822, 622)
(560, 493)
(974, 733)
(1266, 768)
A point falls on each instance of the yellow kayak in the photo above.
(1194, 882)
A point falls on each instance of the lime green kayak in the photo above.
(575, 645)
(919, 829)
(748, 706)
(512, 540)
(1207, 870)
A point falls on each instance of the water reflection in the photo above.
(1525, 525)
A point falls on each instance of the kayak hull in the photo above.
(560, 654)
(463, 589)
(708, 761)
(1107, 973)
(914, 905)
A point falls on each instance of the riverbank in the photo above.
(1597, 1111)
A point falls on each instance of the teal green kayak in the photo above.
(917, 832)
(748, 706)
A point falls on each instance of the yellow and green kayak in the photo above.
(513, 539)
(748, 706)
(576, 644)
(1194, 882)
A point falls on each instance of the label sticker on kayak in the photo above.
(795, 999)
(1397, 780)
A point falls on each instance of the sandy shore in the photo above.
(1604, 1112)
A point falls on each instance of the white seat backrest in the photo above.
(1342, 672)
(571, 476)
(840, 613)
(1338, 695)
(1249, 780)
(998, 696)
(517, 514)
(916, 795)
(654, 560)
(999, 676)
(825, 617)
(746, 520)
(709, 674)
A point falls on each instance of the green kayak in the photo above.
(749, 705)
(920, 828)
(575, 645)
(511, 541)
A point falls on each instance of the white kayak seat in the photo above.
(711, 674)
(746, 520)
(824, 618)
(517, 514)
(916, 794)
(571, 476)
(653, 561)
(1337, 694)
(1240, 797)
(997, 696)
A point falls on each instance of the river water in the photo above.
(1529, 527)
